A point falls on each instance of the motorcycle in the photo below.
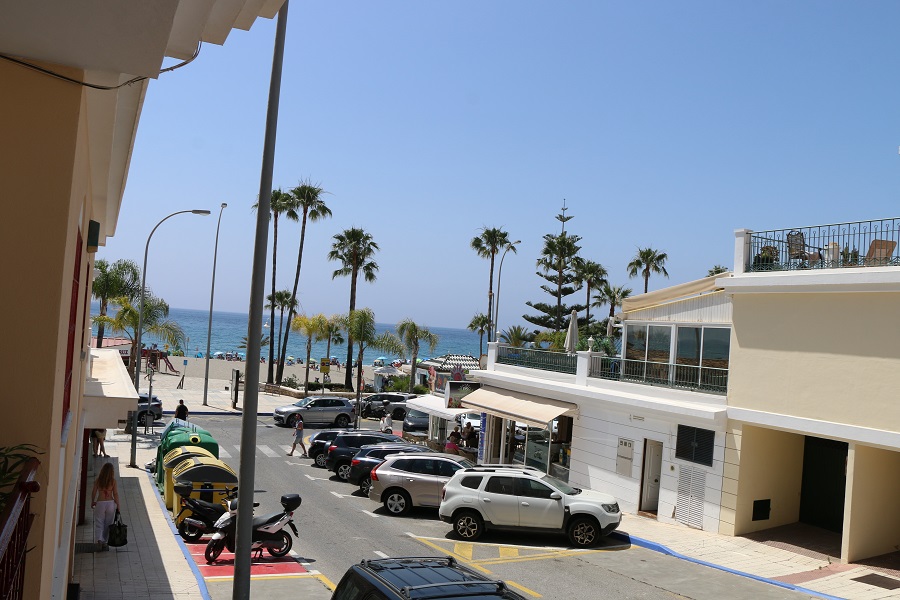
(203, 515)
(268, 530)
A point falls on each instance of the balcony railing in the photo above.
(545, 360)
(859, 244)
(15, 523)
(685, 377)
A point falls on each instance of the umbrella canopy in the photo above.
(388, 371)
(382, 358)
(572, 334)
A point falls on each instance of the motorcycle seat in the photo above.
(215, 506)
(266, 519)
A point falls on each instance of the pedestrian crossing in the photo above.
(263, 449)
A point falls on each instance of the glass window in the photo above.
(716, 345)
(472, 482)
(659, 343)
(416, 465)
(446, 468)
(533, 489)
(500, 485)
(636, 342)
(687, 351)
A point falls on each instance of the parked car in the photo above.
(519, 499)
(370, 457)
(415, 420)
(153, 406)
(316, 409)
(406, 480)
(345, 446)
(392, 403)
(404, 578)
(319, 442)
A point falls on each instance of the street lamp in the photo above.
(137, 335)
(509, 247)
(212, 292)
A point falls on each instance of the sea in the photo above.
(229, 330)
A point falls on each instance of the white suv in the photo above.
(525, 499)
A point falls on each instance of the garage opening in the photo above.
(824, 483)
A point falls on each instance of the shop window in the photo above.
(695, 445)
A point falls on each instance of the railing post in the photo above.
(741, 250)
(582, 366)
(492, 356)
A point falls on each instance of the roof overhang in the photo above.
(675, 293)
(435, 406)
(108, 391)
(518, 406)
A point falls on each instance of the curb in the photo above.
(656, 547)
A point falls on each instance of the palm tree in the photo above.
(122, 278)
(614, 296)
(716, 270)
(411, 334)
(155, 322)
(486, 245)
(281, 300)
(263, 342)
(592, 276)
(314, 326)
(556, 340)
(516, 336)
(308, 201)
(334, 326)
(282, 202)
(354, 249)
(646, 261)
(480, 323)
(360, 326)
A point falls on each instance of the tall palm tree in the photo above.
(486, 245)
(516, 336)
(308, 206)
(646, 261)
(334, 326)
(354, 249)
(282, 202)
(281, 300)
(411, 334)
(592, 276)
(314, 326)
(122, 278)
(263, 342)
(360, 326)
(479, 324)
(614, 296)
(155, 322)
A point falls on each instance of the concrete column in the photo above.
(492, 356)
(583, 366)
(741, 250)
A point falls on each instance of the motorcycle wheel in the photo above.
(189, 533)
(286, 543)
(213, 550)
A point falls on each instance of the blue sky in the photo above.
(663, 124)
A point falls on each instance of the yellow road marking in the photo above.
(524, 589)
(507, 552)
(326, 582)
(464, 549)
(445, 551)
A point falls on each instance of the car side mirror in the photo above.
(555, 496)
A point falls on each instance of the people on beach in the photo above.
(181, 411)
(298, 439)
(105, 502)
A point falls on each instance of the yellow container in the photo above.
(170, 460)
(207, 477)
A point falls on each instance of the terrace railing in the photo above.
(685, 377)
(546, 360)
(859, 244)
(15, 523)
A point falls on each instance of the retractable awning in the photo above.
(508, 404)
(434, 405)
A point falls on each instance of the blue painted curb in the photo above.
(204, 591)
(656, 547)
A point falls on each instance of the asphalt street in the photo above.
(338, 527)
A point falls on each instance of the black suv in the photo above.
(345, 446)
(406, 578)
(319, 442)
(369, 457)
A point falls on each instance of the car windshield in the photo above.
(303, 402)
(562, 486)
(466, 464)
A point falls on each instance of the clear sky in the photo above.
(663, 124)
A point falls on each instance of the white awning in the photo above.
(508, 404)
(108, 391)
(434, 405)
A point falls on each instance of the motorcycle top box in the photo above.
(291, 501)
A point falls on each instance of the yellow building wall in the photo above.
(44, 185)
(872, 521)
(825, 356)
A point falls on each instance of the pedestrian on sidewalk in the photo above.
(181, 411)
(105, 502)
(298, 439)
(98, 442)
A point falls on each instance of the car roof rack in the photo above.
(526, 470)
(434, 590)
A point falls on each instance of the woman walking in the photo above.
(298, 439)
(105, 502)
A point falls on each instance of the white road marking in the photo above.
(310, 477)
(371, 514)
(381, 554)
(341, 495)
(268, 451)
(223, 453)
(286, 449)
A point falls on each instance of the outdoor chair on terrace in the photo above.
(880, 252)
(796, 244)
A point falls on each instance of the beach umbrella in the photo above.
(572, 334)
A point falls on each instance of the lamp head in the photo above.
(198, 211)
(224, 205)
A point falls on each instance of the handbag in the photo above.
(118, 532)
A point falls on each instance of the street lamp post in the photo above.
(137, 335)
(212, 292)
(496, 322)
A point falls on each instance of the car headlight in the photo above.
(610, 508)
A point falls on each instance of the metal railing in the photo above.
(545, 360)
(685, 377)
(859, 244)
(15, 523)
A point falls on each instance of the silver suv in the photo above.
(525, 499)
(316, 409)
(406, 480)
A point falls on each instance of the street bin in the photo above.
(205, 477)
(176, 437)
(170, 460)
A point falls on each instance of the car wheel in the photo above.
(213, 550)
(365, 412)
(397, 502)
(365, 485)
(342, 421)
(320, 459)
(399, 414)
(343, 471)
(284, 548)
(583, 532)
(468, 525)
(292, 420)
(140, 418)
(189, 533)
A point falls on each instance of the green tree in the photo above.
(412, 334)
(263, 342)
(591, 276)
(155, 322)
(646, 261)
(613, 296)
(354, 249)
(479, 324)
(516, 336)
(121, 278)
(556, 267)
(311, 327)
(334, 327)
(717, 269)
(308, 206)
(281, 300)
(487, 245)
(360, 327)
(555, 340)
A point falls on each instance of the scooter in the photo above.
(203, 515)
(268, 530)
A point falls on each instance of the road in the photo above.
(338, 527)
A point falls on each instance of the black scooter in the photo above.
(203, 514)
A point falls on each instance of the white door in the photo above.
(652, 473)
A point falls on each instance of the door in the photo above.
(652, 472)
(419, 479)
(824, 483)
(316, 412)
(537, 508)
(499, 502)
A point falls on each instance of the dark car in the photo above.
(415, 420)
(371, 456)
(154, 407)
(404, 578)
(319, 442)
(345, 446)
